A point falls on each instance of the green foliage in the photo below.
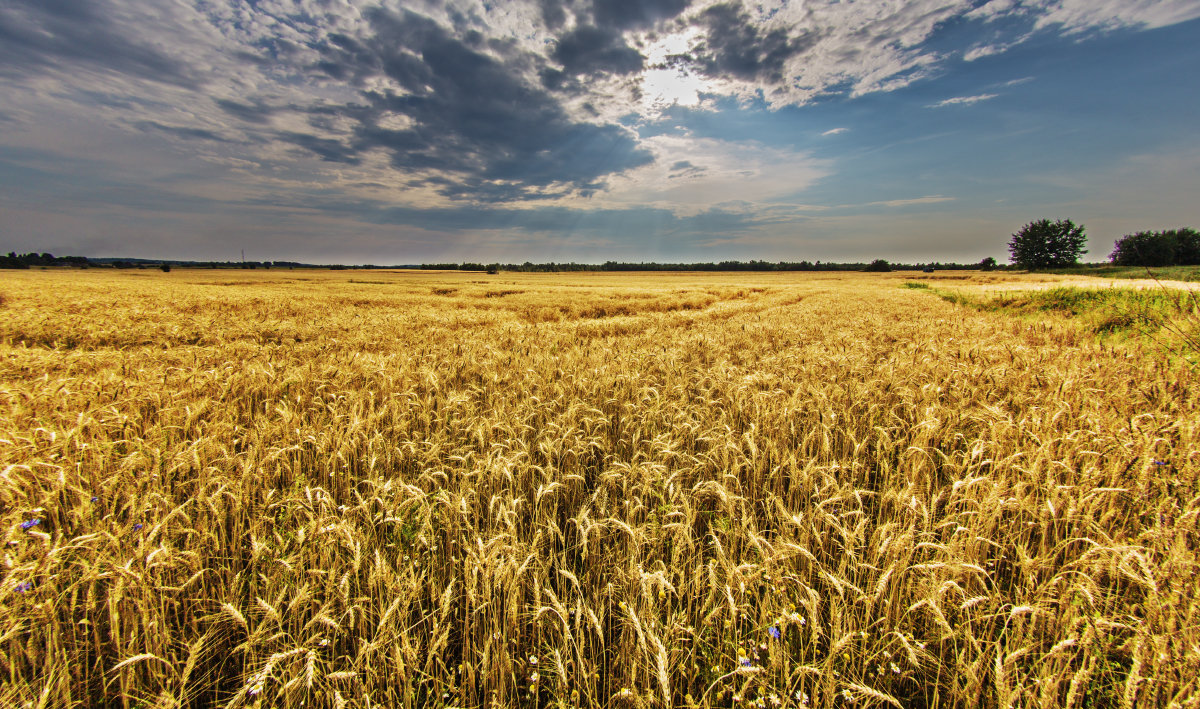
(1047, 244)
(987, 264)
(1168, 317)
(878, 266)
(1172, 247)
(915, 284)
(1165, 273)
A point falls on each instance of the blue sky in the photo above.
(589, 130)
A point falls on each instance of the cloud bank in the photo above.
(471, 105)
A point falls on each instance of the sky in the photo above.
(413, 131)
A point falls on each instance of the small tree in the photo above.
(878, 265)
(1047, 244)
(987, 264)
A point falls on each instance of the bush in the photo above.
(879, 266)
(1047, 244)
(987, 264)
(1173, 247)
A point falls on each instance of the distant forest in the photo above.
(32, 260)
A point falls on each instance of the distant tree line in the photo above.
(15, 260)
(25, 260)
(617, 266)
(1172, 247)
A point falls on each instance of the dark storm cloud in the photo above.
(640, 14)
(553, 13)
(39, 33)
(588, 49)
(597, 44)
(255, 112)
(327, 149)
(734, 46)
(471, 119)
(611, 14)
(182, 131)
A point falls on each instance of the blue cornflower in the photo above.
(24, 586)
(1160, 462)
(31, 523)
(773, 632)
(95, 499)
(138, 526)
(745, 661)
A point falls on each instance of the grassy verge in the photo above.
(1165, 273)
(1167, 317)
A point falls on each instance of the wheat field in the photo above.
(389, 489)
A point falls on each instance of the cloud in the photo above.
(987, 50)
(183, 131)
(38, 34)
(250, 113)
(991, 10)
(931, 199)
(476, 101)
(691, 174)
(735, 46)
(685, 169)
(478, 126)
(962, 100)
(627, 14)
(1076, 16)
(327, 149)
(636, 222)
(588, 49)
(1082, 15)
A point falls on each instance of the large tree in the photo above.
(1047, 244)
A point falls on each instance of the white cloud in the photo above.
(1082, 15)
(719, 172)
(982, 51)
(835, 131)
(991, 10)
(867, 47)
(962, 100)
(931, 199)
